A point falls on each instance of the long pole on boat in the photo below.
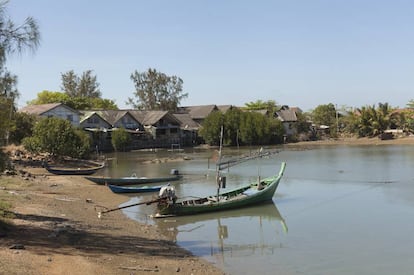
(258, 166)
(126, 206)
(218, 166)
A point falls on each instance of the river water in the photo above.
(338, 210)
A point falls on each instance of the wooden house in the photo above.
(189, 129)
(198, 113)
(121, 119)
(161, 126)
(289, 119)
(93, 121)
(59, 110)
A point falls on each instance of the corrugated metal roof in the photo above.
(187, 122)
(43, 108)
(112, 116)
(198, 112)
(287, 115)
(152, 117)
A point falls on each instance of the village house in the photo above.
(59, 110)
(148, 129)
(289, 119)
(162, 127)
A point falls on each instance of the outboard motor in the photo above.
(167, 193)
(174, 172)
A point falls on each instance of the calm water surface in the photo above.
(338, 210)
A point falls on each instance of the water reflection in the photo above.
(349, 211)
(248, 231)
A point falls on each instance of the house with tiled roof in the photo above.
(93, 121)
(121, 119)
(198, 113)
(224, 108)
(59, 110)
(189, 129)
(160, 124)
(289, 119)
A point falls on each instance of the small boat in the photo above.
(73, 171)
(255, 193)
(134, 180)
(134, 189)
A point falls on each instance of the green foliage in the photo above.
(13, 39)
(84, 86)
(3, 160)
(156, 91)
(211, 128)
(370, 121)
(77, 103)
(16, 38)
(120, 139)
(410, 104)
(302, 124)
(325, 115)
(23, 127)
(277, 131)
(241, 128)
(59, 138)
(6, 111)
(231, 121)
(46, 97)
(254, 129)
(270, 105)
(403, 120)
(102, 104)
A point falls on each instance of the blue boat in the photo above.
(134, 189)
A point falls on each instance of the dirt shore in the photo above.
(55, 229)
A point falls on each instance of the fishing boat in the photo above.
(134, 180)
(134, 189)
(254, 193)
(73, 170)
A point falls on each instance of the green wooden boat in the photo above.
(252, 194)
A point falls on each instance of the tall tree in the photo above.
(156, 91)
(324, 115)
(270, 105)
(410, 104)
(371, 120)
(211, 128)
(84, 86)
(59, 138)
(14, 39)
(77, 103)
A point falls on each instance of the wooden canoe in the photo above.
(134, 189)
(241, 197)
(133, 180)
(73, 171)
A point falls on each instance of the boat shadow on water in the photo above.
(217, 233)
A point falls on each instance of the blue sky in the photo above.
(297, 52)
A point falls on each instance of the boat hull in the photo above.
(130, 180)
(238, 198)
(73, 171)
(134, 189)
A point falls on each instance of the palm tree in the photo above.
(373, 121)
